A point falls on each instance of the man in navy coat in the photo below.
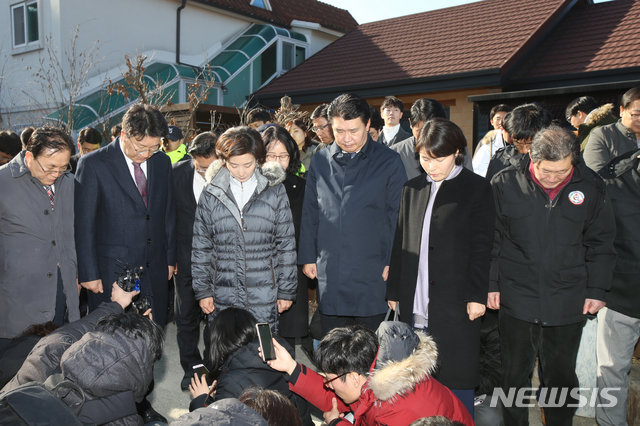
(349, 215)
(125, 213)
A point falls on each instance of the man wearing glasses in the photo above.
(521, 124)
(38, 279)
(321, 126)
(125, 215)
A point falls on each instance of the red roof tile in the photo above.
(285, 11)
(477, 36)
(597, 37)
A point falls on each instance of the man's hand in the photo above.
(283, 305)
(122, 297)
(283, 361)
(333, 414)
(493, 301)
(475, 310)
(310, 270)
(94, 286)
(206, 305)
(175, 270)
(392, 304)
(385, 273)
(172, 269)
(592, 306)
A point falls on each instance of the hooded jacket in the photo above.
(105, 365)
(622, 176)
(600, 116)
(44, 358)
(398, 392)
(245, 258)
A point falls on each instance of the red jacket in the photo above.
(397, 394)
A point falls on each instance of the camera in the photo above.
(129, 280)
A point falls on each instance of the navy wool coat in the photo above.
(348, 219)
(113, 225)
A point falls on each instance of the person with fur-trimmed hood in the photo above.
(584, 115)
(244, 251)
(373, 380)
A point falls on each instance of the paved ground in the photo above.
(169, 400)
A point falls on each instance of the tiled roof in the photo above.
(285, 11)
(485, 35)
(597, 37)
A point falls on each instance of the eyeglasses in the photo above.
(633, 115)
(54, 170)
(139, 151)
(325, 383)
(522, 142)
(316, 129)
(273, 157)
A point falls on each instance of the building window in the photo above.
(292, 55)
(24, 22)
(262, 4)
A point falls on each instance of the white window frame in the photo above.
(26, 46)
(267, 5)
(296, 43)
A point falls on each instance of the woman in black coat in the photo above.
(439, 269)
(281, 147)
(236, 366)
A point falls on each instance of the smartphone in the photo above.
(266, 344)
(200, 369)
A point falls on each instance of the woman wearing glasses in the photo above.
(439, 269)
(282, 149)
(244, 252)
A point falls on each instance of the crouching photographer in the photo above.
(108, 355)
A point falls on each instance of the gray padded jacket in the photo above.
(247, 258)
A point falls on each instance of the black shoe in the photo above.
(149, 415)
(186, 381)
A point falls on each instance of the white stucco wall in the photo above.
(117, 28)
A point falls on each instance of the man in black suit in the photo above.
(125, 214)
(188, 183)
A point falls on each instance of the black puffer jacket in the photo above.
(549, 256)
(44, 359)
(622, 176)
(247, 258)
(105, 364)
(243, 369)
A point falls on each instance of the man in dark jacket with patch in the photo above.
(349, 214)
(552, 263)
(619, 322)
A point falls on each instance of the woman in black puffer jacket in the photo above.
(244, 252)
(235, 364)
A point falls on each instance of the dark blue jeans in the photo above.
(557, 349)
